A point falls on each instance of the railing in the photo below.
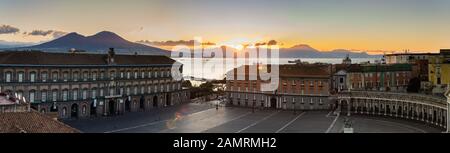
(434, 100)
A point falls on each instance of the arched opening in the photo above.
(168, 101)
(400, 110)
(155, 101)
(388, 109)
(434, 115)
(74, 111)
(344, 106)
(141, 103)
(111, 105)
(93, 108)
(273, 102)
(127, 105)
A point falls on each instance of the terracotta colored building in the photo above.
(300, 86)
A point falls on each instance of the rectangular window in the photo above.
(142, 90)
(54, 96)
(142, 74)
(75, 95)
(84, 94)
(55, 76)
(135, 91)
(8, 77)
(65, 76)
(94, 76)
(44, 96)
(101, 93)
(135, 74)
(44, 77)
(121, 75)
(20, 77)
(111, 91)
(128, 75)
(65, 93)
(31, 97)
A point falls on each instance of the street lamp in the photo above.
(293, 103)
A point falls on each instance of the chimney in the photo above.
(111, 54)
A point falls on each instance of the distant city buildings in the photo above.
(79, 85)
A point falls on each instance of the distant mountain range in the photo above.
(102, 41)
(306, 51)
(98, 43)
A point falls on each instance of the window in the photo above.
(167, 88)
(44, 76)
(162, 88)
(54, 95)
(20, 77)
(75, 76)
(156, 74)
(101, 93)
(341, 80)
(121, 75)
(102, 75)
(128, 90)
(156, 88)
(142, 74)
(150, 74)
(112, 74)
(121, 91)
(94, 93)
(149, 90)
(8, 77)
(128, 75)
(75, 94)
(55, 76)
(65, 95)
(85, 76)
(43, 95)
(142, 90)
(135, 74)
(85, 92)
(65, 76)
(135, 90)
(94, 76)
(111, 91)
(32, 96)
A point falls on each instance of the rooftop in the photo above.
(46, 58)
(32, 122)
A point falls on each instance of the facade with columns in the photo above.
(79, 85)
(428, 109)
(300, 87)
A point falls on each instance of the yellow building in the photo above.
(439, 69)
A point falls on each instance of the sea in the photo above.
(199, 70)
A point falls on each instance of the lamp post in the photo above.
(293, 103)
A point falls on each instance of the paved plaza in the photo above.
(205, 118)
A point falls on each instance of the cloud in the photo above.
(54, 33)
(57, 34)
(172, 43)
(7, 29)
(271, 42)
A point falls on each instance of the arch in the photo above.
(141, 103)
(64, 112)
(127, 105)
(74, 111)
(273, 102)
(168, 100)
(155, 101)
(93, 109)
(111, 105)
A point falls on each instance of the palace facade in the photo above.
(79, 85)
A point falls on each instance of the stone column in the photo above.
(348, 106)
(448, 114)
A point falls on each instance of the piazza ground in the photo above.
(203, 117)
